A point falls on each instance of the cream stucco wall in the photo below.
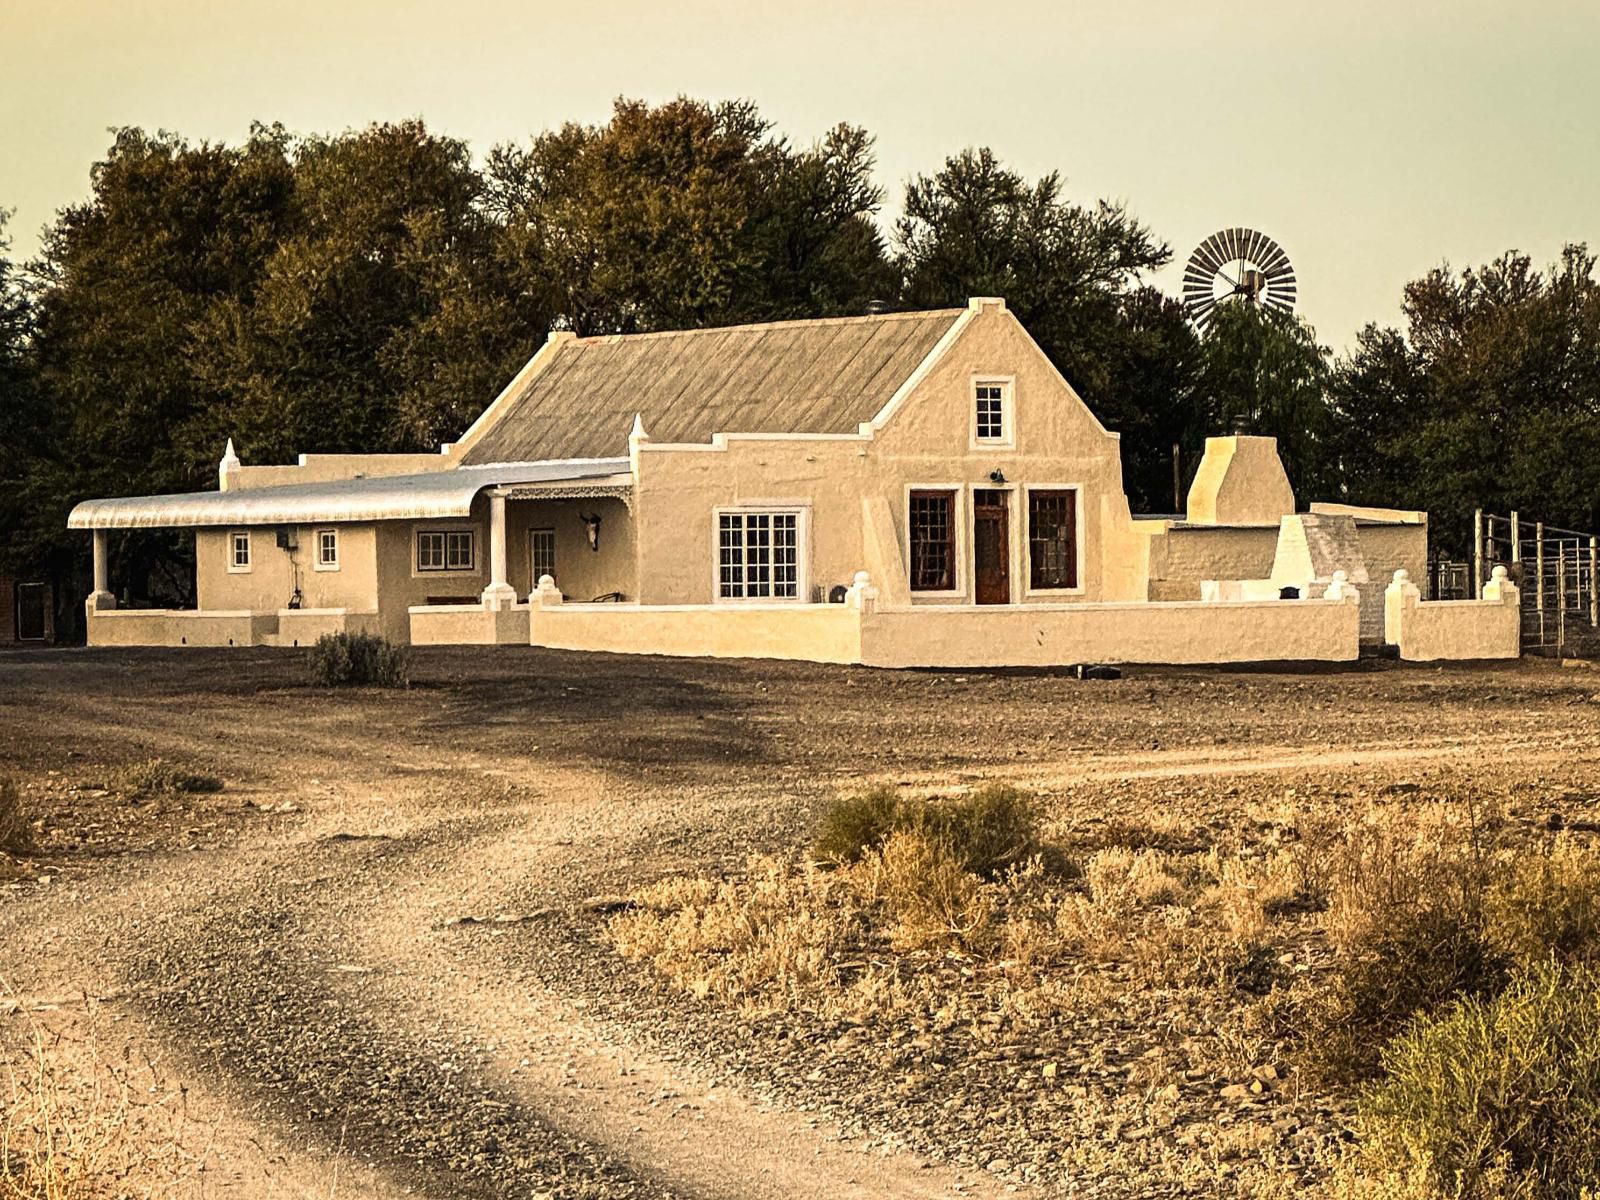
(854, 490)
(1189, 632)
(812, 632)
(1240, 481)
(581, 573)
(964, 635)
(467, 626)
(273, 573)
(1453, 629)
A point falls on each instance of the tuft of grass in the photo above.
(358, 660)
(69, 1133)
(1416, 966)
(16, 834)
(1546, 903)
(987, 832)
(158, 777)
(1495, 1097)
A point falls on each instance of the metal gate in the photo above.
(1558, 572)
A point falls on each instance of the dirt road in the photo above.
(374, 957)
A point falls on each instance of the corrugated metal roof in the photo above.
(824, 376)
(447, 493)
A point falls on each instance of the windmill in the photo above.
(1237, 265)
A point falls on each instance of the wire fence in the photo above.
(1557, 571)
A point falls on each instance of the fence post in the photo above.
(1594, 582)
(1516, 537)
(1561, 596)
(1538, 561)
(1477, 554)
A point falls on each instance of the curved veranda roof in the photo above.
(446, 493)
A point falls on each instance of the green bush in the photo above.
(1496, 1097)
(986, 832)
(852, 825)
(1421, 962)
(16, 836)
(358, 660)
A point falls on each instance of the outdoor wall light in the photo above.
(997, 476)
(591, 528)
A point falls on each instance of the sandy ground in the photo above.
(369, 961)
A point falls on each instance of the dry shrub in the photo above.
(765, 938)
(158, 777)
(1547, 903)
(1495, 1097)
(988, 831)
(931, 898)
(358, 660)
(70, 1134)
(1422, 962)
(16, 834)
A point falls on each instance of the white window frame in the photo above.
(1008, 412)
(320, 563)
(1079, 521)
(234, 541)
(801, 511)
(533, 567)
(960, 570)
(444, 531)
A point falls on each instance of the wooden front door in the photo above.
(991, 547)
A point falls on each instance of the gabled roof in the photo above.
(826, 376)
(447, 493)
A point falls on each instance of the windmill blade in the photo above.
(1212, 263)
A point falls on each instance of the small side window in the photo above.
(239, 551)
(327, 549)
(991, 414)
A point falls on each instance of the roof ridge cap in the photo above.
(792, 323)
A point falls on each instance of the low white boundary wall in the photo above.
(178, 627)
(812, 632)
(1174, 632)
(468, 625)
(1434, 630)
(858, 631)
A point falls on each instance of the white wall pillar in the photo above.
(101, 599)
(499, 594)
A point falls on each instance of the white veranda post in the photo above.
(499, 593)
(101, 597)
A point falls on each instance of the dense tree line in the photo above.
(372, 290)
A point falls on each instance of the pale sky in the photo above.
(1373, 140)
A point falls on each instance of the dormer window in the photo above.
(991, 412)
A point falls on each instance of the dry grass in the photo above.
(1286, 955)
(75, 1132)
(154, 777)
(16, 832)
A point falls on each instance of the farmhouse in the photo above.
(916, 488)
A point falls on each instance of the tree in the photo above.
(689, 214)
(24, 419)
(1262, 372)
(384, 318)
(170, 230)
(1490, 398)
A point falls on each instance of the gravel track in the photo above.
(299, 940)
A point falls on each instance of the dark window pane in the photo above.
(932, 541)
(1052, 540)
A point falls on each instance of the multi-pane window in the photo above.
(990, 399)
(542, 548)
(444, 550)
(239, 551)
(1052, 539)
(758, 555)
(327, 549)
(933, 541)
